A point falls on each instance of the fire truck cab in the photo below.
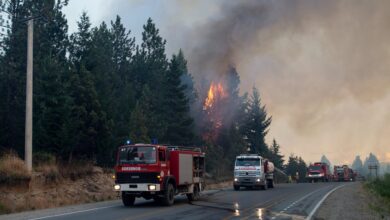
(159, 172)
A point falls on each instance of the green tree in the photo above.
(87, 123)
(176, 104)
(124, 79)
(256, 124)
(275, 155)
(138, 129)
(302, 169)
(149, 68)
(357, 165)
(12, 81)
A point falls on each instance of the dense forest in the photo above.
(96, 88)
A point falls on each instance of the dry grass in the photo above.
(77, 169)
(13, 169)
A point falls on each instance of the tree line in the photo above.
(96, 88)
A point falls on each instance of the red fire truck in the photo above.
(159, 172)
(318, 171)
(344, 173)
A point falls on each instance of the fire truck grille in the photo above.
(137, 178)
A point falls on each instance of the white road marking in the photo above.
(70, 213)
(302, 198)
(310, 216)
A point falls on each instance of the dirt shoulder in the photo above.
(40, 193)
(350, 202)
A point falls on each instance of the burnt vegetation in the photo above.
(97, 88)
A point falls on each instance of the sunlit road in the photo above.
(285, 201)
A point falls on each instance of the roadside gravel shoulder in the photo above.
(349, 202)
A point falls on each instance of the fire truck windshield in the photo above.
(315, 168)
(248, 162)
(137, 155)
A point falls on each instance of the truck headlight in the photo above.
(258, 180)
(235, 179)
(117, 187)
(152, 187)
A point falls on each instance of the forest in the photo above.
(97, 88)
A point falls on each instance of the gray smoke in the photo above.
(322, 67)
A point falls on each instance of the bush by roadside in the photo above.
(51, 184)
(13, 170)
(381, 188)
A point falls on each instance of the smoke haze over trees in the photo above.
(97, 88)
(328, 59)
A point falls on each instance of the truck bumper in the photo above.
(138, 187)
(248, 181)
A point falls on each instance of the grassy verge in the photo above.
(13, 170)
(380, 188)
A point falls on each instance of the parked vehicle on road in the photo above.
(344, 173)
(159, 172)
(252, 170)
(318, 171)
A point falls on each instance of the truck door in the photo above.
(162, 157)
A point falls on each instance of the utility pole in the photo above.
(29, 97)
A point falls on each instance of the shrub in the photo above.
(381, 186)
(40, 158)
(77, 169)
(12, 169)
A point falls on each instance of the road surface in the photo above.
(285, 201)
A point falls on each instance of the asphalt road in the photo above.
(285, 201)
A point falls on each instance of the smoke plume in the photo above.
(322, 67)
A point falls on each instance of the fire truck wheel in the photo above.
(128, 200)
(169, 195)
(236, 187)
(195, 195)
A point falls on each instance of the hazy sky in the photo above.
(322, 67)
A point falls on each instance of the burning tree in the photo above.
(220, 105)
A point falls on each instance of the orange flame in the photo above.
(216, 91)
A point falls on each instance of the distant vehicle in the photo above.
(159, 172)
(318, 171)
(344, 173)
(252, 170)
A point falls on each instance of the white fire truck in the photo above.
(252, 170)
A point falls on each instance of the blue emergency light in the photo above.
(128, 142)
(154, 141)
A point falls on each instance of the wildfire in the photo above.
(214, 109)
(215, 92)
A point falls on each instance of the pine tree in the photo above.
(324, 159)
(87, 123)
(357, 165)
(124, 80)
(176, 104)
(50, 70)
(13, 81)
(292, 165)
(150, 66)
(275, 155)
(256, 124)
(138, 129)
